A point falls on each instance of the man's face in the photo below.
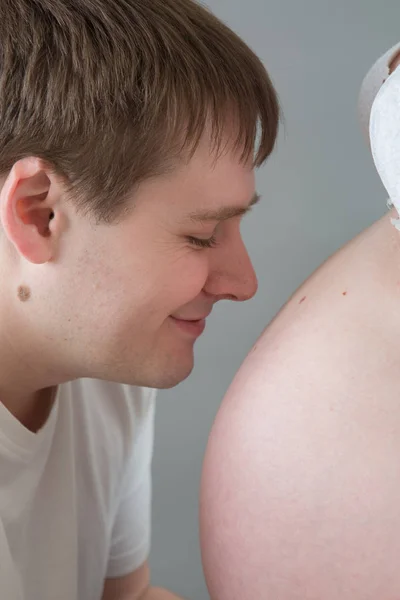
(132, 297)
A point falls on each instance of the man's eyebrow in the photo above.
(223, 213)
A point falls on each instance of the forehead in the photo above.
(203, 182)
(225, 175)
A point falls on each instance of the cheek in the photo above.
(188, 278)
(147, 289)
(148, 295)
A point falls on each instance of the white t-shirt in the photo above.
(75, 499)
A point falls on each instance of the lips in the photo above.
(193, 319)
(193, 327)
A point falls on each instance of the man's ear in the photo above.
(28, 213)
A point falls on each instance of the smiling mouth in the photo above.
(192, 327)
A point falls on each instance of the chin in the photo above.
(167, 380)
(169, 369)
(158, 374)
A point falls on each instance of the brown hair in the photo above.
(111, 92)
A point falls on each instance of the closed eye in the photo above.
(203, 243)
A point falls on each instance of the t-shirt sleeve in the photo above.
(131, 533)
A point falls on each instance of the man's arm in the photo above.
(135, 586)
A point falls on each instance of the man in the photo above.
(127, 152)
(301, 487)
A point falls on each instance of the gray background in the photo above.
(319, 190)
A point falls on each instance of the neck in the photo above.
(27, 380)
(33, 410)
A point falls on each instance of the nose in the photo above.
(231, 275)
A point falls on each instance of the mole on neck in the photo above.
(24, 293)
